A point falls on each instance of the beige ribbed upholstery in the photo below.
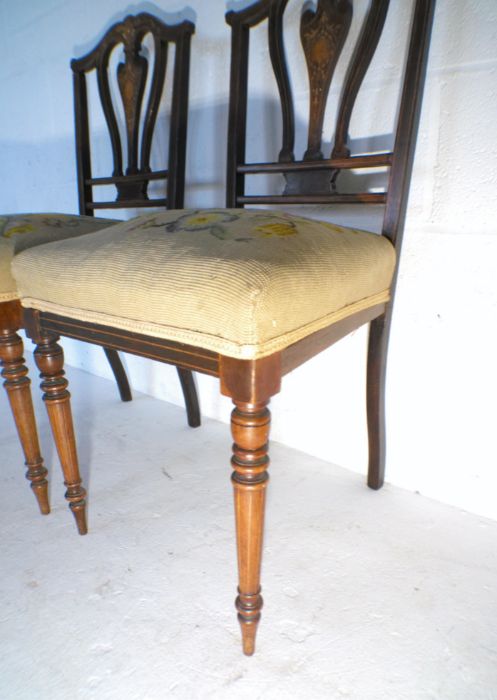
(245, 283)
(22, 231)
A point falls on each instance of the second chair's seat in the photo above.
(22, 231)
(244, 283)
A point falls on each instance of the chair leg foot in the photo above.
(190, 396)
(249, 620)
(40, 490)
(17, 385)
(119, 372)
(50, 361)
(78, 509)
(376, 374)
(250, 428)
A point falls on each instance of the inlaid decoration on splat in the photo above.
(323, 32)
(131, 80)
(314, 176)
(131, 164)
(131, 77)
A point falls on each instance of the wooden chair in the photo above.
(245, 295)
(19, 232)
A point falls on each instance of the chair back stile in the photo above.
(132, 178)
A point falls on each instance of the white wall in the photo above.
(442, 380)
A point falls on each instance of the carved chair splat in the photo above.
(18, 232)
(267, 291)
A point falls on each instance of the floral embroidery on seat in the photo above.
(217, 223)
(199, 220)
(210, 220)
(284, 228)
(18, 225)
(60, 222)
(13, 230)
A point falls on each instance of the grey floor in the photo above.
(368, 595)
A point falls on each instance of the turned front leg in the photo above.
(17, 384)
(250, 429)
(50, 361)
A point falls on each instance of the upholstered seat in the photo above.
(22, 231)
(245, 283)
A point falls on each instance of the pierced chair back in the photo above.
(131, 172)
(315, 179)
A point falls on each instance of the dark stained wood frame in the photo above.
(132, 181)
(251, 383)
(132, 192)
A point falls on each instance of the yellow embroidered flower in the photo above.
(27, 228)
(201, 221)
(277, 229)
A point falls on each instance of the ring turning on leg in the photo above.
(50, 361)
(250, 429)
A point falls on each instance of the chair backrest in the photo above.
(315, 179)
(132, 178)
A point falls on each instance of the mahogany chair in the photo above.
(245, 295)
(20, 232)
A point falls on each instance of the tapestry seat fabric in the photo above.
(241, 282)
(19, 232)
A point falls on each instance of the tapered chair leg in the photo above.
(17, 384)
(190, 395)
(250, 429)
(376, 373)
(50, 361)
(119, 374)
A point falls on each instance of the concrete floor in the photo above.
(368, 595)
